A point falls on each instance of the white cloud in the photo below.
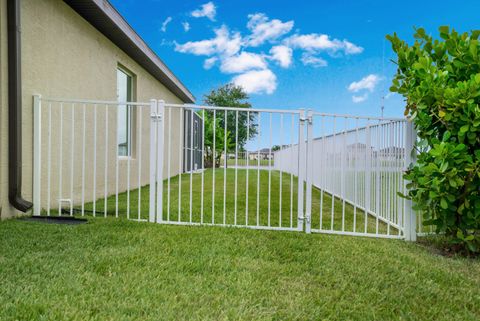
(257, 81)
(186, 26)
(351, 49)
(359, 99)
(165, 23)
(310, 60)
(206, 10)
(264, 29)
(227, 51)
(321, 42)
(366, 83)
(208, 63)
(243, 62)
(224, 43)
(282, 55)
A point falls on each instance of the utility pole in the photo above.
(383, 103)
(382, 107)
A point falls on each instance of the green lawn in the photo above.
(251, 162)
(261, 212)
(114, 269)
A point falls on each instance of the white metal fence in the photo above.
(204, 165)
(79, 167)
(355, 171)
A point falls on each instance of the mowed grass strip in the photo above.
(114, 269)
(272, 201)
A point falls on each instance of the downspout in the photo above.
(15, 109)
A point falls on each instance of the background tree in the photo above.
(440, 80)
(230, 95)
(211, 128)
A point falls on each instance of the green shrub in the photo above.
(440, 79)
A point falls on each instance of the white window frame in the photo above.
(130, 94)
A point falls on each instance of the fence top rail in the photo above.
(353, 130)
(386, 119)
(94, 102)
(252, 110)
(193, 106)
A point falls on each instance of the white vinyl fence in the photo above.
(186, 164)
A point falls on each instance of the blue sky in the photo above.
(329, 56)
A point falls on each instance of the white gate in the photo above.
(272, 169)
(236, 184)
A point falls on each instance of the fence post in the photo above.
(301, 168)
(410, 231)
(309, 172)
(153, 158)
(37, 153)
(368, 172)
(160, 138)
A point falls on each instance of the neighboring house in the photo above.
(392, 152)
(77, 49)
(263, 153)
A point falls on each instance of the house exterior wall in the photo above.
(64, 56)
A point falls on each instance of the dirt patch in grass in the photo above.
(442, 245)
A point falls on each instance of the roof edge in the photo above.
(106, 19)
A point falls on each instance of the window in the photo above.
(124, 129)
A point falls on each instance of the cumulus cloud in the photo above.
(224, 43)
(186, 26)
(165, 23)
(243, 62)
(351, 49)
(366, 83)
(257, 81)
(208, 63)
(208, 10)
(321, 42)
(359, 99)
(281, 55)
(234, 53)
(263, 29)
(310, 60)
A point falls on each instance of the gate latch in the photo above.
(305, 218)
(156, 117)
(308, 119)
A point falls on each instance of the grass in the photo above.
(251, 162)
(114, 269)
(261, 211)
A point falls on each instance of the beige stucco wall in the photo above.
(64, 56)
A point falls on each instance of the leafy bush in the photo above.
(440, 79)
